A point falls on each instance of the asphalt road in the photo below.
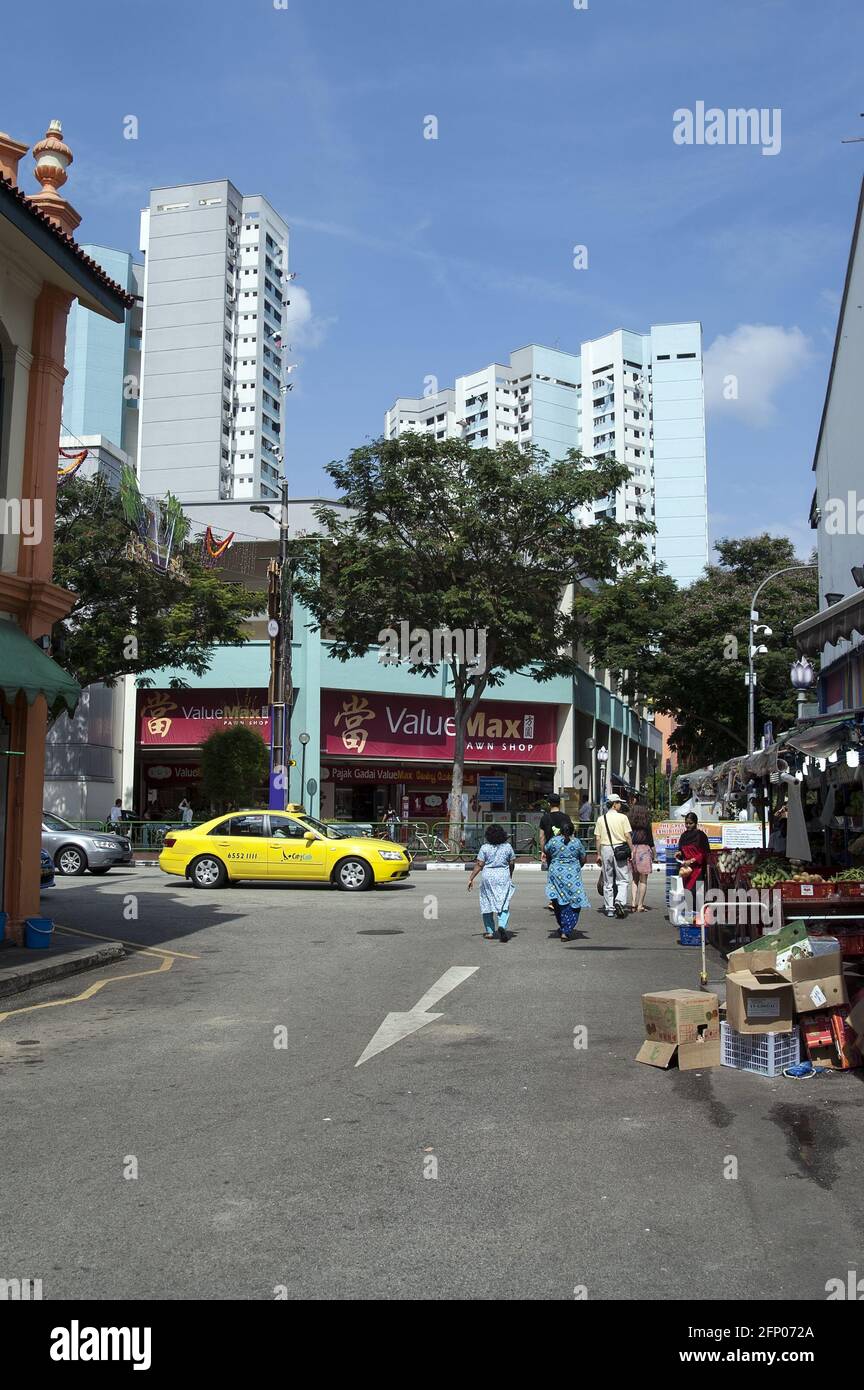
(224, 1075)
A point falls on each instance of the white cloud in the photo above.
(745, 369)
(302, 328)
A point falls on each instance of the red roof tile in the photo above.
(95, 269)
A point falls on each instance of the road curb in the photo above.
(15, 979)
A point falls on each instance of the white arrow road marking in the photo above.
(398, 1026)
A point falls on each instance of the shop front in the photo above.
(172, 726)
(383, 753)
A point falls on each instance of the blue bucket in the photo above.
(38, 932)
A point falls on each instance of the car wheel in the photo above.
(70, 860)
(208, 872)
(100, 871)
(352, 875)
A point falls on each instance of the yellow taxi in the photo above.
(280, 846)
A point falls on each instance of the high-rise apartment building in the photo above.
(216, 271)
(638, 396)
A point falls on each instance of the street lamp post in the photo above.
(304, 739)
(803, 677)
(279, 632)
(602, 758)
(755, 627)
(591, 744)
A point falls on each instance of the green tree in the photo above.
(128, 616)
(234, 764)
(686, 649)
(446, 536)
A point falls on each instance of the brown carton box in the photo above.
(760, 1001)
(680, 1016)
(817, 982)
(704, 1053)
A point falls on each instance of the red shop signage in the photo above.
(406, 726)
(168, 717)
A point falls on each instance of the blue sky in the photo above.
(434, 257)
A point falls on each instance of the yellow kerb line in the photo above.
(164, 964)
(133, 945)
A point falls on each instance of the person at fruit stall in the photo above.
(693, 853)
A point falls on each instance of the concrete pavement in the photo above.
(218, 1063)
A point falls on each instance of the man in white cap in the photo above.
(613, 834)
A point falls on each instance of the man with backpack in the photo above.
(614, 846)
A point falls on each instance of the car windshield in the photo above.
(329, 831)
(55, 823)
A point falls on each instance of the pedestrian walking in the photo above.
(564, 887)
(496, 862)
(644, 853)
(615, 844)
(550, 824)
(185, 809)
(115, 815)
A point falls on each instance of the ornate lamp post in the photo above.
(603, 758)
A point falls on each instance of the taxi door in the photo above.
(241, 843)
(291, 856)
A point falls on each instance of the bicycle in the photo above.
(426, 842)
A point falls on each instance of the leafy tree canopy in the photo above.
(128, 616)
(234, 764)
(686, 649)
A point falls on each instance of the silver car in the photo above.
(74, 851)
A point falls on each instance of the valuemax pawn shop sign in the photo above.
(186, 717)
(406, 726)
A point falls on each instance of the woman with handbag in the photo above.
(615, 844)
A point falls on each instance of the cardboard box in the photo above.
(689, 1056)
(817, 982)
(759, 1001)
(681, 1016)
(789, 943)
(855, 1019)
(830, 1040)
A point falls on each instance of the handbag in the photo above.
(622, 851)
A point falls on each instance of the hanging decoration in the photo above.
(67, 470)
(161, 525)
(214, 549)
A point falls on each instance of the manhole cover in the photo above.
(394, 931)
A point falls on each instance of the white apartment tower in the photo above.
(212, 377)
(637, 396)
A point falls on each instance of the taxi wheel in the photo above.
(207, 872)
(352, 875)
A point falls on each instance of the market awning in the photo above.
(26, 669)
(821, 740)
(620, 785)
(832, 624)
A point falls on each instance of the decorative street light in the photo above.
(803, 677)
(304, 739)
(591, 744)
(603, 758)
(758, 650)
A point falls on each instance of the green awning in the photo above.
(25, 668)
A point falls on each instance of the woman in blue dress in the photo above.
(496, 861)
(564, 888)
